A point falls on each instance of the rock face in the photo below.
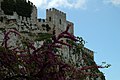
(30, 27)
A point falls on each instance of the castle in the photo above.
(55, 20)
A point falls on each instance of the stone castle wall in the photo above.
(55, 20)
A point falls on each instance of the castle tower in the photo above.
(56, 19)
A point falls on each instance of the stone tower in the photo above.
(56, 19)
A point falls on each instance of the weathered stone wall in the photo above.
(55, 20)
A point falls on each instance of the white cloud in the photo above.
(39, 3)
(114, 2)
(60, 3)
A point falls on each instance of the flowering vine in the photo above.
(43, 63)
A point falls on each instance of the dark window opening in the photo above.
(60, 21)
(49, 18)
(1, 19)
(48, 27)
(43, 25)
(39, 20)
(43, 28)
(43, 20)
(22, 28)
(35, 24)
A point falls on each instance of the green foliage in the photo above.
(22, 7)
(43, 36)
(106, 65)
(78, 46)
(24, 31)
(8, 6)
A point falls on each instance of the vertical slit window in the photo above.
(60, 21)
(49, 18)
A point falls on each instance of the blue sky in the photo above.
(98, 22)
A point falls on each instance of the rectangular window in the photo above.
(1, 19)
(49, 18)
(60, 21)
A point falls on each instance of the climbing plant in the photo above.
(42, 63)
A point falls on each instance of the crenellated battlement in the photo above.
(56, 11)
(41, 20)
(17, 17)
